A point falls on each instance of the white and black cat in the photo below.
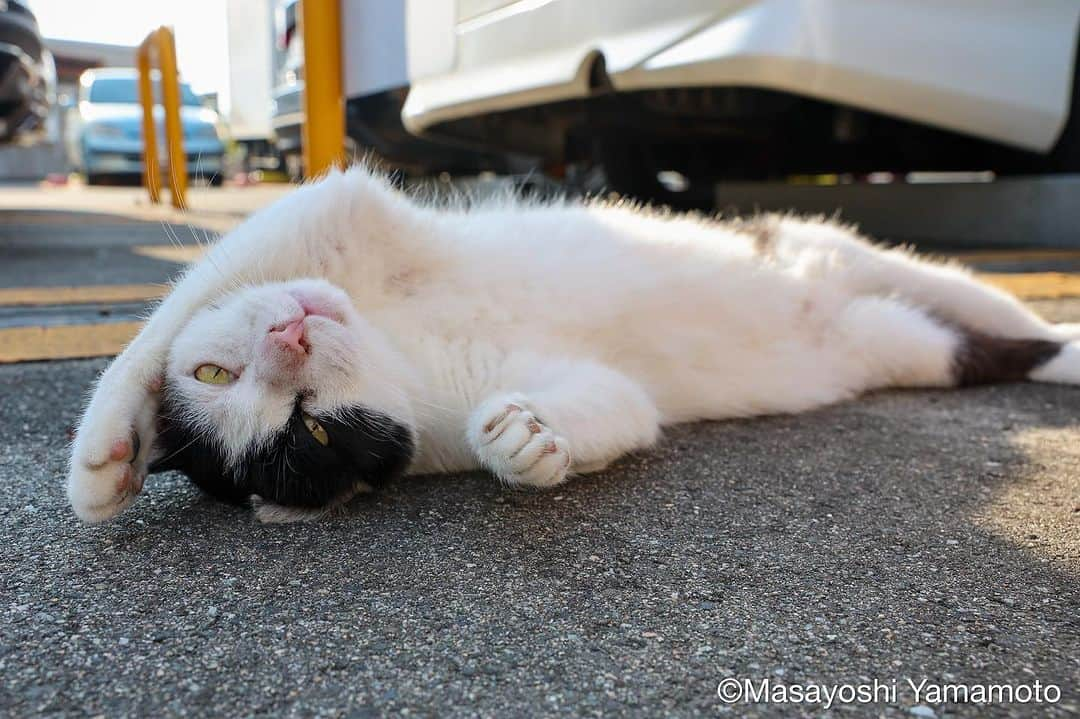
(346, 334)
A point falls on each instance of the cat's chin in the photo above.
(268, 512)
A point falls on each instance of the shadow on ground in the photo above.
(888, 538)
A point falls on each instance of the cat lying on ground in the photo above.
(346, 334)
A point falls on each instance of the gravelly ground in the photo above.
(908, 535)
(915, 535)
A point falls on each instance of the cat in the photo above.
(348, 334)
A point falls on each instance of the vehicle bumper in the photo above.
(124, 157)
(118, 163)
(999, 69)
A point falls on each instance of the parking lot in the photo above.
(909, 535)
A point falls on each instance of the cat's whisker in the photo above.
(170, 232)
(173, 455)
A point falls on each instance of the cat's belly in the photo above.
(736, 340)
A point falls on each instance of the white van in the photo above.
(750, 89)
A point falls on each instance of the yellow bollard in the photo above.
(161, 43)
(174, 130)
(324, 104)
(151, 171)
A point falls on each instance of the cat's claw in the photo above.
(516, 446)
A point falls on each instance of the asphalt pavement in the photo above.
(908, 535)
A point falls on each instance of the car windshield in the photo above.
(124, 90)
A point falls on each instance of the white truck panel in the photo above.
(251, 73)
(373, 43)
(997, 69)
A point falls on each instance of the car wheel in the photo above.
(1065, 157)
(93, 178)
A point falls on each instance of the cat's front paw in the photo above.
(516, 446)
(111, 455)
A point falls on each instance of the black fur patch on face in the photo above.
(293, 469)
(983, 359)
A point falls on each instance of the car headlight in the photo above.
(101, 129)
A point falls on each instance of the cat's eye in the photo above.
(212, 374)
(316, 429)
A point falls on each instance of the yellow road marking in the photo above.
(1014, 255)
(170, 253)
(89, 294)
(23, 344)
(1035, 285)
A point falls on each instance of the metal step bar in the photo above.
(1010, 212)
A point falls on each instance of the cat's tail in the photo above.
(945, 288)
(985, 359)
(898, 344)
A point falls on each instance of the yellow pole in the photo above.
(324, 106)
(151, 170)
(174, 131)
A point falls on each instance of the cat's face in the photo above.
(283, 391)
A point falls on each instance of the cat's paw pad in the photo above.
(110, 458)
(517, 447)
(104, 483)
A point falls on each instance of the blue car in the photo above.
(108, 140)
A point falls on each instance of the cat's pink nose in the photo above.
(291, 337)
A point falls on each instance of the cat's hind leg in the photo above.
(570, 417)
(947, 289)
(894, 344)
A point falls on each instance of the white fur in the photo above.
(1062, 369)
(598, 322)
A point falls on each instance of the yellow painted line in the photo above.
(88, 294)
(1035, 285)
(23, 344)
(1015, 255)
(170, 253)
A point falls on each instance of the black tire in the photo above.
(95, 179)
(1065, 157)
(629, 171)
(632, 170)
